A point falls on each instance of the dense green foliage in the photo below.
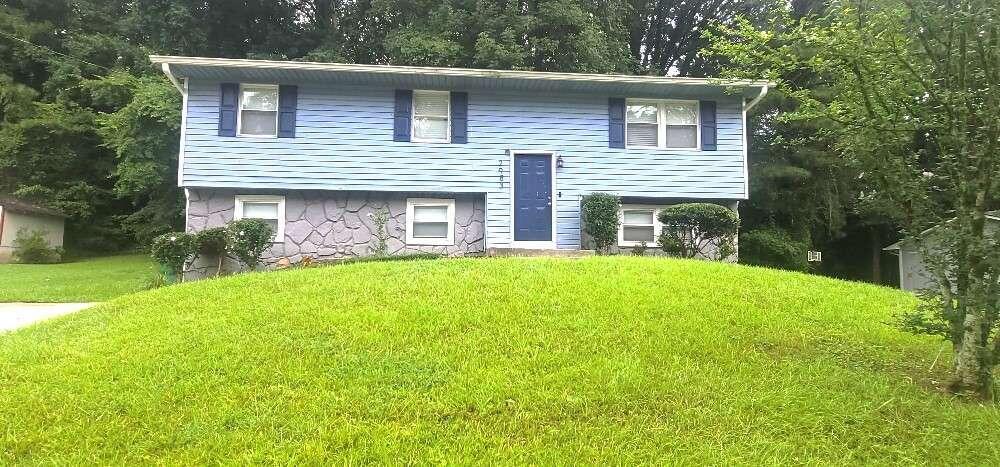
(89, 127)
(211, 242)
(772, 247)
(247, 239)
(31, 247)
(909, 96)
(532, 361)
(599, 217)
(172, 250)
(698, 230)
(86, 280)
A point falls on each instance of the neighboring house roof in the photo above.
(990, 215)
(448, 78)
(24, 207)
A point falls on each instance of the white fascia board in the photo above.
(451, 72)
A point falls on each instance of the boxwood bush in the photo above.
(172, 250)
(599, 215)
(704, 230)
(213, 243)
(247, 239)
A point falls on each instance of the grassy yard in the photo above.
(543, 361)
(86, 280)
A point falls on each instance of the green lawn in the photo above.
(521, 360)
(86, 280)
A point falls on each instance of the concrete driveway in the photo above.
(16, 315)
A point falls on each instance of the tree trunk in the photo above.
(971, 375)
(876, 246)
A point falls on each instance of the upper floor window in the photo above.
(270, 209)
(431, 116)
(662, 124)
(258, 112)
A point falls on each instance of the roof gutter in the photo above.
(444, 71)
(752, 104)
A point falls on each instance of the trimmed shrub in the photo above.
(172, 250)
(704, 230)
(213, 242)
(773, 247)
(599, 215)
(31, 247)
(247, 240)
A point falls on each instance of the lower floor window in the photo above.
(270, 209)
(430, 221)
(638, 224)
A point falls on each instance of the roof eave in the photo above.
(455, 72)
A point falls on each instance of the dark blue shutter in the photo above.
(404, 111)
(228, 94)
(709, 140)
(459, 117)
(288, 97)
(616, 122)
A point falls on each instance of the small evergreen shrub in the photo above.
(773, 247)
(212, 243)
(699, 230)
(640, 249)
(172, 250)
(248, 239)
(599, 214)
(31, 247)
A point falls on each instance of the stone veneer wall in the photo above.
(328, 225)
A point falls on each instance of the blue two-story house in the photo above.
(464, 160)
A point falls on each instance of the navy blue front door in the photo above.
(533, 198)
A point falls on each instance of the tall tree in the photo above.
(666, 37)
(916, 109)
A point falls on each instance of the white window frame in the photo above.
(413, 117)
(239, 109)
(279, 236)
(412, 203)
(657, 226)
(661, 122)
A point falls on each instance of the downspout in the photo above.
(746, 139)
(173, 79)
(183, 89)
(752, 104)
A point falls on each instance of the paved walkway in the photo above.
(16, 315)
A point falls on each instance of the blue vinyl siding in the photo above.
(344, 141)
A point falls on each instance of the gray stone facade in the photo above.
(330, 225)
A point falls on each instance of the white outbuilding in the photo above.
(16, 215)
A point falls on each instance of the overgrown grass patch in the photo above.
(514, 360)
(83, 280)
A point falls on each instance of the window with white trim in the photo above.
(638, 224)
(258, 113)
(270, 209)
(662, 124)
(430, 221)
(432, 116)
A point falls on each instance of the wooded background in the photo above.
(89, 127)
